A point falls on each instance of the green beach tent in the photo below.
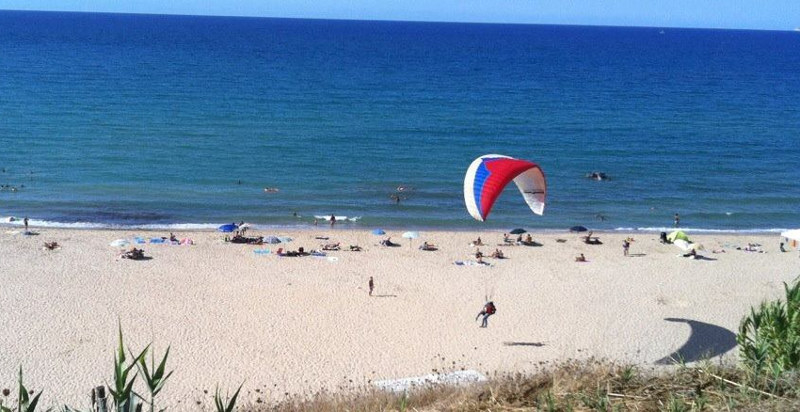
(677, 235)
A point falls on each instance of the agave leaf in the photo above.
(23, 393)
(161, 384)
(34, 401)
(121, 349)
(232, 402)
(160, 371)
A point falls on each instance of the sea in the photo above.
(165, 121)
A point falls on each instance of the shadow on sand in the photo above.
(705, 341)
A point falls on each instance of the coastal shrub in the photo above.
(154, 377)
(769, 338)
(122, 392)
(24, 402)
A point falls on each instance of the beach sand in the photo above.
(299, 325)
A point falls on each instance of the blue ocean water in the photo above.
(147, 120)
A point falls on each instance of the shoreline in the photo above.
(305, 324)
(211, 228)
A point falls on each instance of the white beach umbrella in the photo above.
(410, 235)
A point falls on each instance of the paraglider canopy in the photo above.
(488, 175)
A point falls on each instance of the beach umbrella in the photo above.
(227, 228)
(378, 232)
(517, 231)
(677, 235)
(272, 240)
(578, 229)
(120, 243)
(410, 236)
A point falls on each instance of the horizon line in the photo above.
(796, 29)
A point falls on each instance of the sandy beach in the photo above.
(302, 324)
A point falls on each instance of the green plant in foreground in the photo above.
(769, 338)
(154, 377)
(24, 402)
(123, 388)
(220, 404)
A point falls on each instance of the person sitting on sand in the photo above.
(580, 258)
(519, 239)
(388, 242)
(477, 242)
(172, 238)
(506, 238)
(488, 310)
(528, 239)
(355, 248)
(51, 245)
(783, 249)
(498, 254)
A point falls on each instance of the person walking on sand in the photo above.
(626, 244)
(371, 285)
(488, 310)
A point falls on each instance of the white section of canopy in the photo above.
(531, 184)
(793, 234)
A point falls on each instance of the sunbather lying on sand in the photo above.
(134, 253)
(427, 246)
(355, 248)
(388, 242)
(247, 240)
(291, 253)
(330, 246)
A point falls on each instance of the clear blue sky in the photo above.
(736, 14)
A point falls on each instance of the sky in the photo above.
(729, 14)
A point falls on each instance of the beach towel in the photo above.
(470, 263)
(157, 241)
(187, 241)
(261, 251)
(139, 240)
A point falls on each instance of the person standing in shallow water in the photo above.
(371, 285)
(25, 222)
(677, 220)
(333, 220)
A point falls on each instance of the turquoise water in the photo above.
(139, 120)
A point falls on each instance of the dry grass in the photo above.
(578, 386)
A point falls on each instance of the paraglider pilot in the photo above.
(488, 310)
